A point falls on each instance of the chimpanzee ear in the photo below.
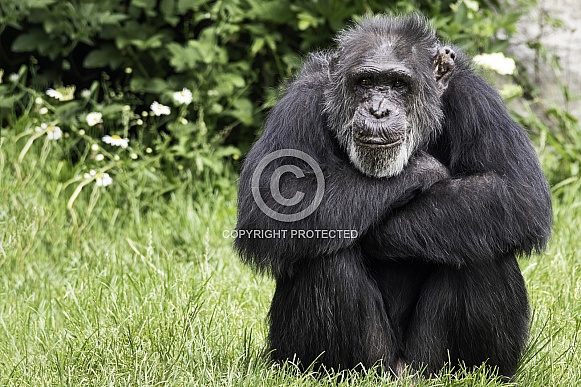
(444, 66)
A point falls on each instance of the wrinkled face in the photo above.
(383, 99)
(380, 142)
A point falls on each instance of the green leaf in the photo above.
(256, 46)
(227, 151)
(42, 4)
(278, 12)
(183, 58)
(37, 40)
(29, 41)
(8, 102)
(461, 14)
(105, 56)
(111, 18)
(168, 10)
(234, 79)
(243, 110)
(148, 85)
(187, 57)
(306, 21)
(189, 5)
(154, 41)
(145, 4)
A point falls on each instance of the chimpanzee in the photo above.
(389, 196)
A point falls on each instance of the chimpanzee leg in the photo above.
(331, 311)
(475, 314)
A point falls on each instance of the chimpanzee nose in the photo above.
(379, 109)
(379, 113)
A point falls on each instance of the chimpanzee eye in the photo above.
(365, 81)
(399, 84)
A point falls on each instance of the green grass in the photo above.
(134, 297)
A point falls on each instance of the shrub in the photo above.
(229, 53)
(120, 59)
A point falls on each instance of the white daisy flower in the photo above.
(102, 179)
(159, 109)
(496, 62)
(54, 132)
(55, 94)
(116, 140)
(94, 118)
(183, 97)
(89, 175)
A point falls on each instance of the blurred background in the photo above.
(118, 57)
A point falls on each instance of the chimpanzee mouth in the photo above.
(377, 142)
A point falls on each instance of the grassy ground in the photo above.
(158, 297)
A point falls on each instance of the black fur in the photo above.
(430, 274)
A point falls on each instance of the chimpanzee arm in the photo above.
(497, 200)
(269, 236)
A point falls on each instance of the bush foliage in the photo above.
(117, 58)
(231, 54)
